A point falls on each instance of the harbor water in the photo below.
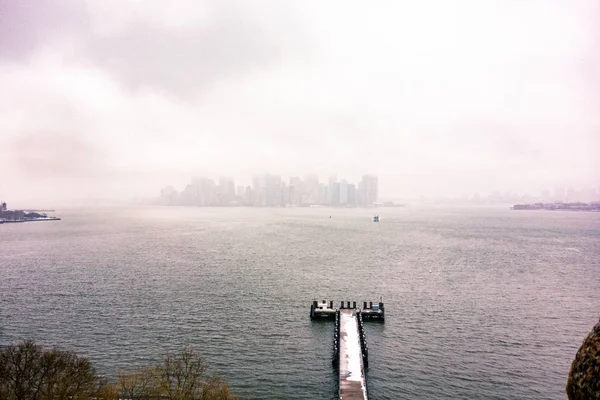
(481, 303)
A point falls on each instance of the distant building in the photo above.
(312, 193)
(273, 190)
(259, 187)
(226, 191)
(335, 194)
(249, 197)
(332, 193)
(368, 189)
(268, 190)
(322, 196)
(240, 191)
(343, 192)
(3, 206)
(204, 192)
(351, 195)
(285, 194)
(296, 190)
(168, 196)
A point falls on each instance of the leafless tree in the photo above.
(180, 377)
(28, 372)
(143, 384)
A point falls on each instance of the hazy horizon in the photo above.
(117, 99)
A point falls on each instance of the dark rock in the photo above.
(584, 377)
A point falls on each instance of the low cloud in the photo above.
(118, 97)
(51, 154)
(184, 61)
(28, 25)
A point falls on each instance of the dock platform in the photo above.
(325, 310)
(350, 349)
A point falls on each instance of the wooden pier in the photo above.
(353, 384)
(350, 349)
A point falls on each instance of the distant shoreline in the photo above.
(14, 221)
(16, 216)
(593, 207)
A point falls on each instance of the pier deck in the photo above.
(352, 374)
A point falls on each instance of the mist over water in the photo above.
(481, 303)
(107, 102)
(113, 99)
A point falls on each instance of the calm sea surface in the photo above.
(481, 303)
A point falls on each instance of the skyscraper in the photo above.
(335, 194)
(226, 191)
(332, 193)
(296, 189)
(311, 193)
(273, 190)
(368, 190)
(203, 192)
(259, 187)
(343, 192)
(240, 191)
(351, 195)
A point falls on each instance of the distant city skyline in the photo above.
(304, 190)
(551, 193)
(111, 99)
(270, 190)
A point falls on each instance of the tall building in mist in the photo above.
(240, 192)
(312, 190)
(168, 196)
(259, 188)
(368, 189)
(322, 194)
(226, 191)
(332, 193)
(268, 190)
(335, 194)
(201, 192)
(273, 191)
(351, 195)
(296, 190)
(285, 194)
(343, 192)
(249, 197)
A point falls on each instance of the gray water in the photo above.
(480, 303)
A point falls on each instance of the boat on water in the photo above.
(376, 218)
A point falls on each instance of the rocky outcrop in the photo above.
(584, 377)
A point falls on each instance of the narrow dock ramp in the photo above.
(351, 369)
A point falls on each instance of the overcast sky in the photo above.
(117, 98)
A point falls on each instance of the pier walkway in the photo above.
(350, 349)
(351, 369)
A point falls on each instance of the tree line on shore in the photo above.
(30, 372)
